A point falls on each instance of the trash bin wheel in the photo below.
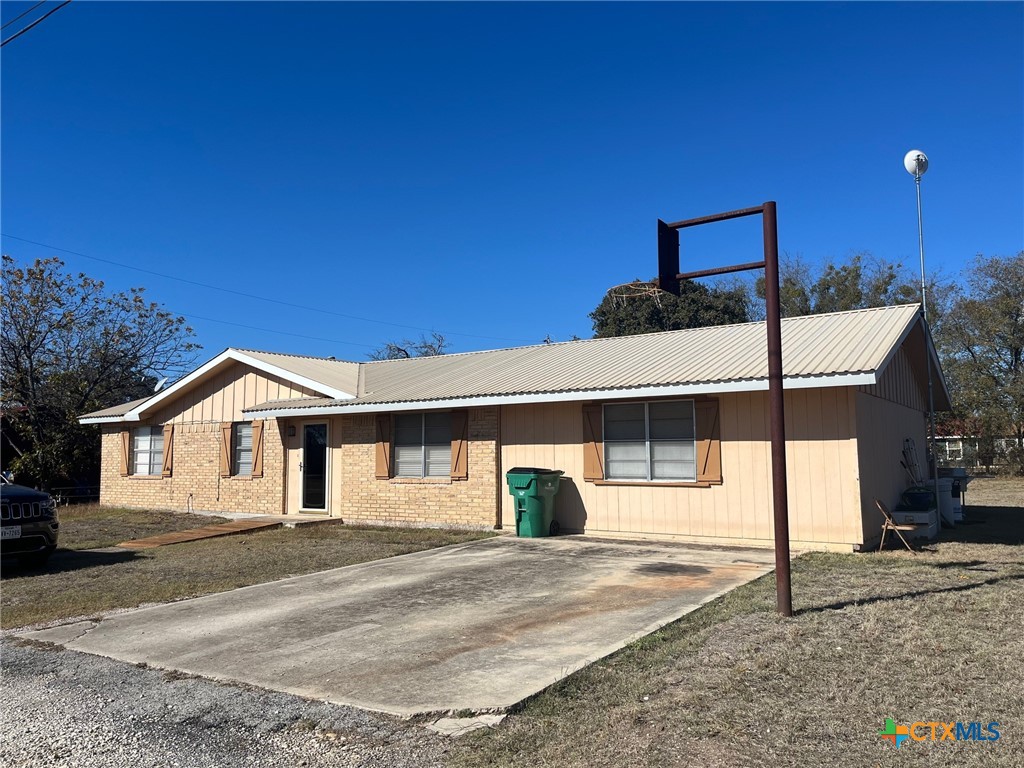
(554, 529)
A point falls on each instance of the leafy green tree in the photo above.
(70, 347)
(981, 341)
(627, 312)
(863, 281)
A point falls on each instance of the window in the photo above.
(241, 444)
(423, 445)
(147, 450)
(650, 442)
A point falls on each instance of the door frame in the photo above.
(327, 467)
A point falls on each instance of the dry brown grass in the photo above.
(933, 637)
(90, 526)
(84, 583)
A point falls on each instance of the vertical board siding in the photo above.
(900, 384)
(224, 395)
(825, 506)
(883, 426)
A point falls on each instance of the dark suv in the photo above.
(28, 521)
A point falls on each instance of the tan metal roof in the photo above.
(337, 374)
(818, 350)
(115, 410)
(329, 377)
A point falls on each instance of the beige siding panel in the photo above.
(659, 520)
(833, 421)
(229, 395)
(222, 397)
(764, 483)
(822, 461)
(900, 384)
(882, 426)
(744, 463)
(336, 457)
(250, 386)
(238, 387)
(217, 395)
(293, 455)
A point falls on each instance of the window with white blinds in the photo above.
(423, 445)
(650, 442)
(147, 450)
(241, 448)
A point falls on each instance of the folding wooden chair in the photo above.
(888, 524)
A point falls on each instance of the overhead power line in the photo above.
(23, 30)
(257, 297)
(23, 13)
(189, 315)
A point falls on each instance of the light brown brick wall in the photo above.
(196, 474)
(356, 494)
(362, 497)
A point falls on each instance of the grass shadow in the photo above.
(839, 605)
(988, 525)
(63, 561)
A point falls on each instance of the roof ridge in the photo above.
(634, 335)
(330, 359)
(854, 311)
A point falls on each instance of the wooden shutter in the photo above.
(383, 452)
(593, 443)
(460, 445)
(225, 449)
(168, 460)
(709, 442)
(257, 449)
(126, 452)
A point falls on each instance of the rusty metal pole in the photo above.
(783, 590)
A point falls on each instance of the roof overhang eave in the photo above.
(855, 379)
(108, 419)
(224, 357)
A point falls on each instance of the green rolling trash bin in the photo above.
(533, 491)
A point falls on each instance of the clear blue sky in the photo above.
(489, 170)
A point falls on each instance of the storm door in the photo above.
(313, 467)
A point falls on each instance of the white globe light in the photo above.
(916, 162)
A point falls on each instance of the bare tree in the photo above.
(430, 346)
(69, 347)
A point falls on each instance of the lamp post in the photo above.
(916, 164)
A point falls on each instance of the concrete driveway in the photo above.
(477, 626)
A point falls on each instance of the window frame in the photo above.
(236, 449)
(423, 444)
(647, 444)
(155, 456)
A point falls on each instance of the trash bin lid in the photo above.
(529, 471)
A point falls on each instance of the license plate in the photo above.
(10, 532)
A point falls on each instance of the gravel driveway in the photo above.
(62, 708)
